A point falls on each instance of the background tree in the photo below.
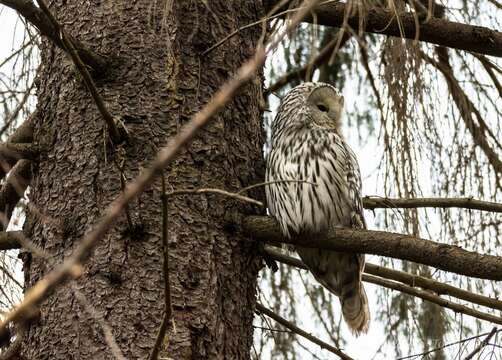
(117, 82)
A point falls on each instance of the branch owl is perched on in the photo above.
(307, 145)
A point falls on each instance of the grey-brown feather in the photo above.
(307, 146)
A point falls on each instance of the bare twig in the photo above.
(168, 310)
(289, 325)
(437, 287)
(425, 295)
(467, 109)
(72, 267)
(406, 247)
(215, 191)
(374, 202)
(423, 355)
(36, 17)
(69, 45)
(482, 345)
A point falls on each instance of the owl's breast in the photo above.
(318, 199)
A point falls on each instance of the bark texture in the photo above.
(155, 82)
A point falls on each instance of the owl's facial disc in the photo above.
(326, 107)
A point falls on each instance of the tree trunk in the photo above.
(156, 81)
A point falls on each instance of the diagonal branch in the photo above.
(23, 134)
(406, 247)
(427, 296)
(289, 325)
(482, 345)
(374, 202)
(69, 46)
(466, 108)
(437, 287)
(35, 16)
(384, 22)
(404, 288)
(17, 182)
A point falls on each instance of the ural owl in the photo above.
(307, 146)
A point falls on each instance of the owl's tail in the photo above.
(355, 308)
(340, 273)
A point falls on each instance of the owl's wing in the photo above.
(281, 196)
(355, 184)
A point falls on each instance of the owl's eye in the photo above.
(322, 108)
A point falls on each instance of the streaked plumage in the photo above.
(307, 145)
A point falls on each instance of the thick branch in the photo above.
(466, 203)
(17, 182)
(12, 152)
(23, 134)
(437, 287)
(436, 31)
(400, 246)
(35, 16)
(9, 240)
(425, 295)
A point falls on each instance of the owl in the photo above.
(307, 146)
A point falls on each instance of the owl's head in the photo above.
(311, 104)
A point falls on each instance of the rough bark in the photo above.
(154, 86)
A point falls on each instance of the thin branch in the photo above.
(465, 107)
(374, 202)
(69, 45)
(422, 355)
(215, 191)
(385, 22)
(425, 295)
(35, 16)
(406, 247)
(289, 325)
(437, 287)
(489, 66)
(482, 345)
(72, 266)
(168, 310)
